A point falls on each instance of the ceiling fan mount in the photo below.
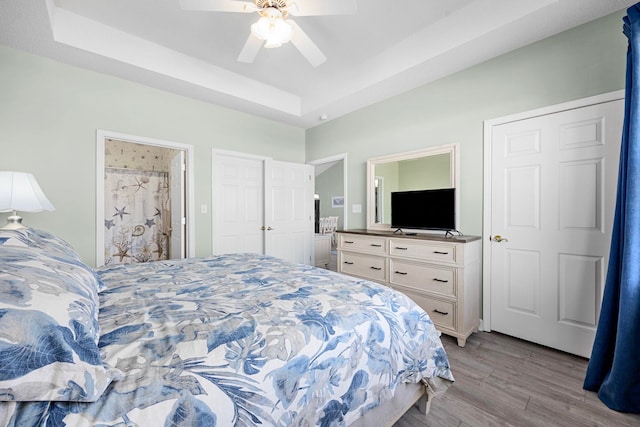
(273, 12)
(273, 29)
(278, 4)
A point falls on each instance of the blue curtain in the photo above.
(614, 367)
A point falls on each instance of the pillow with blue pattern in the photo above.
(49, 327)
(52, 244)
(34, 238)
(11, 240)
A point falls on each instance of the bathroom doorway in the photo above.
(143, 196)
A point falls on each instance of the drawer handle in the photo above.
(348, 241)
(376, 245)
(348, 262)
(401, 249)
(440, 280)
(444, 313)
(404, 273)
(376, 268)
(441, 253)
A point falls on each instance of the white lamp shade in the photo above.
(19, 191)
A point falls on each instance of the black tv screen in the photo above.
(424, 209)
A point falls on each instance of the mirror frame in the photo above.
(451, 149)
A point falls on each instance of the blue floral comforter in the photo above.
(243, 340)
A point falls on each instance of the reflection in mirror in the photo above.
(379, 198)
(424, 173)
(418, 170)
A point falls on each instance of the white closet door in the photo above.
(553, 186)
(289, 211)
(238, 204)
(262, 206)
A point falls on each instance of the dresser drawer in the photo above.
(423, 277)
(369, 244)
(443, 313)
(424, 251)
(367, 266)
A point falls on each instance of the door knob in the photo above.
(269, 228)
(498, 238)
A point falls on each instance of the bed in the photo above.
(231, 340)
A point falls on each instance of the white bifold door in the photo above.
(262, 206)
(552, 197)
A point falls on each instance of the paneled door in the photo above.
(289, 210)
(553, 187)
(238, 204)
(262, 206)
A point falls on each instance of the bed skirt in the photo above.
(407, 395)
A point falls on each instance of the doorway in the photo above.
(143, 200)
(550, 190)
(331, 207)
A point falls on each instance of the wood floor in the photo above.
(503, 381)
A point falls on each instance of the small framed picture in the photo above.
(337, 201)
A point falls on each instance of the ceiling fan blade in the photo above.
(250, 49)
(303, 43)
(324, 7)
(218, 5)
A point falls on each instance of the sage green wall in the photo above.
(49, 113)
(585, 61)
(328, 184)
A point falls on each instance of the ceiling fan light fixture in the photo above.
(272, 29)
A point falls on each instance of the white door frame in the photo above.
(331, 159)
(178, 218)
(487, 218)
(101, 137)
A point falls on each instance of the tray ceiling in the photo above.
(386, 48)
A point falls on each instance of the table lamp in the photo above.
(19, 191)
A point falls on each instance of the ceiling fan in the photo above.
(273, 29)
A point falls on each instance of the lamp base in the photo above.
(14, 222)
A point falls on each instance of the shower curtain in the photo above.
(136, 216)
(614, 367)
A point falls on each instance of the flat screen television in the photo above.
(424, 209)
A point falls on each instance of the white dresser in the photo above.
(440, 274)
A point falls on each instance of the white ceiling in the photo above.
(386, 48)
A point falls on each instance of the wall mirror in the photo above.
(426, 169)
